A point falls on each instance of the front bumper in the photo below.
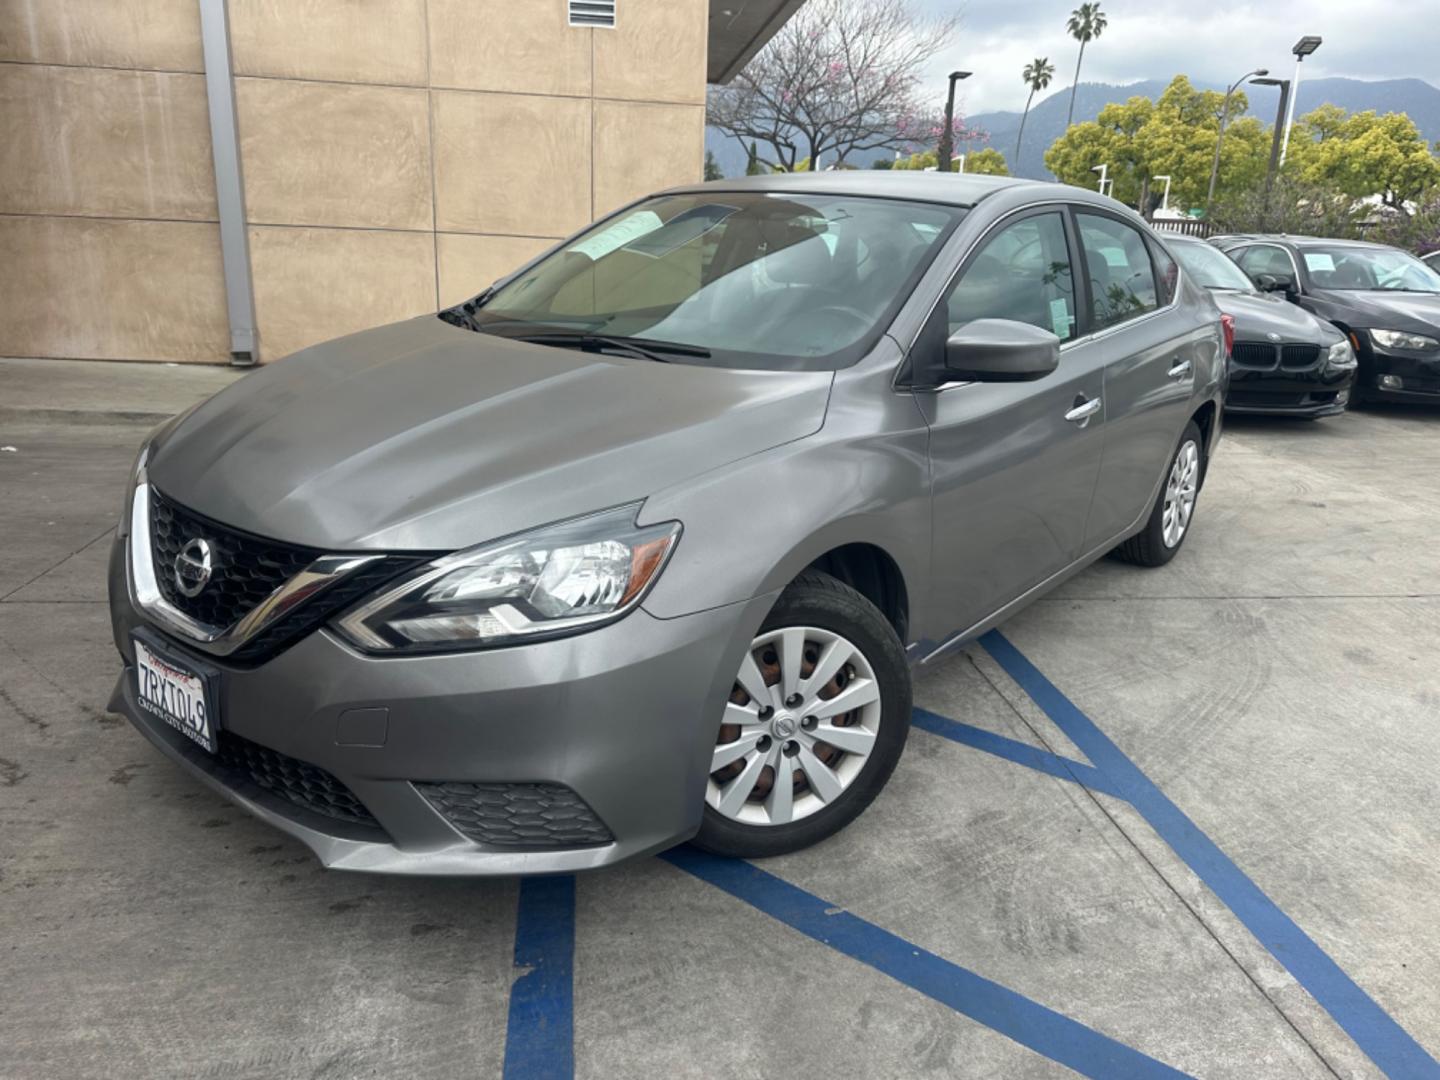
(1419, 375)
(625, 717)
(1318, 393)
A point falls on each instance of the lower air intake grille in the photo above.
(296, 781)
(534, 816)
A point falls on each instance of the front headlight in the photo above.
(554, 581)
(1341, 356)
(1399, 339)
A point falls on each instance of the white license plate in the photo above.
(175, 693)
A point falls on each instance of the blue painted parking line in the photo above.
(1027, 1022)
(1018, 752)
(1384, 1041)
(540, 1033)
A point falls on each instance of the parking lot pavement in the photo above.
(983, 919)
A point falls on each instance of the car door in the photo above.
(1013, 464)
(1145, 351)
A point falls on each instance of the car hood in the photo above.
(425, 436)
(1259, 315)
(1417, 313)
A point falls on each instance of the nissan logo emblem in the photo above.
(193, 567)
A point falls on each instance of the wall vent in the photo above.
(592, 13)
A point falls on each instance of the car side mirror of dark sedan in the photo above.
(1276, 283)
(1000, 350)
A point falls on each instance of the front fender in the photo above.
(753, 526)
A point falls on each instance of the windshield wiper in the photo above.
(642, 347)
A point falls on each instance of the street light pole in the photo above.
(1280, 114)
(1303, 48)
(947, 137)
(1104, 171)
(1164, 199)
(1219, 139)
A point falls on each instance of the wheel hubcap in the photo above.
(1180, 489)
(801, 722)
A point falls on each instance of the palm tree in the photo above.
(1037, 76)
(1087, 22)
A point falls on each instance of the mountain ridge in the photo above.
(1415, 97)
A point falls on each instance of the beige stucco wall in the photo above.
(398, 155)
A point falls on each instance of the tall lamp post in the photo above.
(947, 137)
(1164, 199)
(1219, 139)
(1303, 48)
(1280, 114)
(1105, 181)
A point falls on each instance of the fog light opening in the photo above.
(1391, 382)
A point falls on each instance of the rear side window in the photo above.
(1021, 273)
(1122, 279)
(1167, 273)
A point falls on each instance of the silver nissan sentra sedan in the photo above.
(643, 543)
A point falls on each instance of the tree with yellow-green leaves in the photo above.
(1364, 154)
(987, 162)
(1172, 136)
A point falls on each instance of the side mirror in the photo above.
(1000, 350)
(1276, 283)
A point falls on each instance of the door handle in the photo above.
(1180, 370)
(1083, 410)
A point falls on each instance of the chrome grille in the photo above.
(245, 570)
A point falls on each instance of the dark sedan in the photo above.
(1285, 360)
(1386, 301)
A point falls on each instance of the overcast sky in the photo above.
(1209, 40)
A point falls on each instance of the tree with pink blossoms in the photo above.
(841, 78)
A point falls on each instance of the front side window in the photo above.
(738, 279)
(1122, 279)
(1021, 273)
(1267, 259)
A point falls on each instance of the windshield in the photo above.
(1347, 268)
(1211, 267)
(742, 280)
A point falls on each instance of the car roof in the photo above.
(1301, 242)
(956, 189)
(1357, 245)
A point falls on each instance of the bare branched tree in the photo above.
(842, 77)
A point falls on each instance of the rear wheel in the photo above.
(1174, 509)
(815, 724)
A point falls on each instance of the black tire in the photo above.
(819, 600)
(1148, 547)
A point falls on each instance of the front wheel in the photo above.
(815, 724)
(1174, 509)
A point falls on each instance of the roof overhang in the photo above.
(741, 28)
